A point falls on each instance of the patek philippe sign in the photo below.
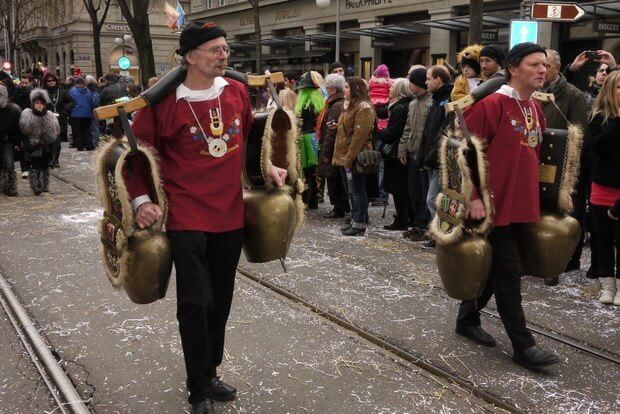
(383, 43)
(364, 4)
(117, 27)
(321, 48)
(604, 27)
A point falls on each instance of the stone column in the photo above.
(366, 49)
(442, 41)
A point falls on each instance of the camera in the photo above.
(592, 54)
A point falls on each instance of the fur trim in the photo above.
(472, 50)
(38, 93)
(292, 147)
(39, 129)
(484, 192)
(571, 167)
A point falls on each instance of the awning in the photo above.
(610, 8)
(390, 30)
(461, 23)
(322, 37)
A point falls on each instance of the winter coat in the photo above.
(9, 123)
(461, 88)
(112, 91)
(409, 146)
(21, 96)
(354, 134)
(84, 102)
(60, 101)
(603, 142)
(571, 101)
(379, 92)
(395, 173)
(328, 128)
(436, 123)
(40, 130)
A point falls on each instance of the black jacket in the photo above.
(329, 127)
(395, 174)
(60, 101)
(112, 91)
(21, 96)
(603, 143)
(436, 123)
(9, 123)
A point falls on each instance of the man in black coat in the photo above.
(438, 83)
(9, 139)
(60, 104)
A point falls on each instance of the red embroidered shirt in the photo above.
(513, 164)
(204, 193)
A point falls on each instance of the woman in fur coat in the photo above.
(40, 128)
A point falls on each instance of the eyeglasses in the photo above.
(217, 51)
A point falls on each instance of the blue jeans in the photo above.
(355, 185)
(434, 186)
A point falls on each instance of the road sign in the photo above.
(124, 63)
(522, 31)
(557, 12)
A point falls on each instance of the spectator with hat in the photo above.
(491, 62)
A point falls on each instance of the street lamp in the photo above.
(323, 4)
(122, 40)
(124, 62)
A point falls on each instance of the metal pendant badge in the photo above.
(218, 148)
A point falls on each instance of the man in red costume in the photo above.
(510, 123)
(199, 133)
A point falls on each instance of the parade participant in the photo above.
(40, 128)
(438, 83)
(603, 140)
(61, 104)
(491, 61)
(309, 105)
(395, 176)
(510, 123)
(409, 153)
(326, 133)
(572, 103)
(199, 131)
(352, 137)
(9, 139)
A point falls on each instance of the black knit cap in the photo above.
(520, 51)
(197, 33)
(494, 52)
(418, 77)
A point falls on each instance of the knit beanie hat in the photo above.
(382, 71)
(418, 77)
(493, 52)
(197, 33)
(520, 51)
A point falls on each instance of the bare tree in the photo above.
(97, 14)
(476, 11)
(136, 12)
(257, 35)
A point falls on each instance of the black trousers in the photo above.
(505, 283)
(337, 193)
(311, 196)
(7, 158)
(205, 266)
(403, 209)
(608, 234)
(82, 138)
(417, 180)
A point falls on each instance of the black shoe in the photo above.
(80, 149)
(347, 224)
(552, 281)
(415, 234)
(203, 407)
(534, 358)
(592, 273)
(90, 148)
(429, 244)
(396, 226)
(354, 231)
(573, 265)
(334, 214)
(220, 391)
(477, 334)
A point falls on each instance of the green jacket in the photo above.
(571, 101)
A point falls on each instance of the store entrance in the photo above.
(399, 61)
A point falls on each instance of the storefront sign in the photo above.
(604, 27)
(82, 57)
(280, 51)
(488, 37)
(287, 14)
(383, 43)
(321, 49)
(364, 4)
(117, 27)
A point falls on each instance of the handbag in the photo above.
(367, 161)
(387, 150)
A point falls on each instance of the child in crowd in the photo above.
(470, 72)
(379, 90)
(40, 128)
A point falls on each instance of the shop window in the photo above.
(209, 4)
(222, 2)
(366, 67)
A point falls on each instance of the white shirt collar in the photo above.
(183, 92)
(510, 92)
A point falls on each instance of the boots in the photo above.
(617, 297)
(45, 180)
(10, 188)
(608, 291)
(35, 181)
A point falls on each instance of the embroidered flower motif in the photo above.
(513, 122)
(237, 122)
(193, 130)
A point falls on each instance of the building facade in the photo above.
(297, 35)
(62, 39)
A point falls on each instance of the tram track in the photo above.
(60, 386)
